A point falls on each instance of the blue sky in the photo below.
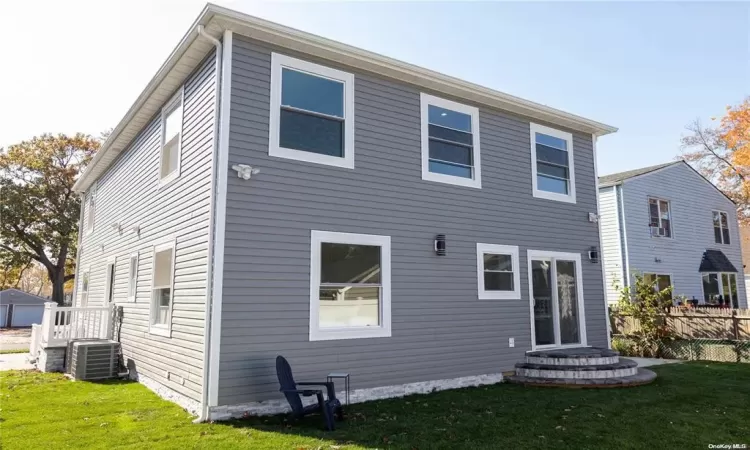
(647, 68)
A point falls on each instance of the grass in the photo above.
(689, 406)
(8, 352)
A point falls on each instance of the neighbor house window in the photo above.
(312, 112)
(450, 142)
(171, 139)
(350, 286)
(89, 210)
(110, 287)
(660, 281)
(85, 289)
(133, 277)
(498, 272)
(660, 218)
(721, 227)
(552, 169)
(162, 289)
(720, 288)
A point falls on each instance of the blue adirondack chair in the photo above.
(329, 409)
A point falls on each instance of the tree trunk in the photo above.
(58, 286)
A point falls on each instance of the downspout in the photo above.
(203, 413)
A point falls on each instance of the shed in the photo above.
(20, 309)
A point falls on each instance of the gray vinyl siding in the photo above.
(440, 329)
(129, 193)
(691, 199)
(611, 241)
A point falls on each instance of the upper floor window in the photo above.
(171, 139)
(721, 227)
(660, 218)
(498, 272)
(552, 169)
(312, 112)
(350, 286)
(89, 210)
(162, 288)
(450, 142)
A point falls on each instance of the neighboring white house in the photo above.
(669, 222)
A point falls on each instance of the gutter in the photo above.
(203, 414)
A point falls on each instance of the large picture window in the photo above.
(498, 273)
(553, 172)
(450, 142)
(312, 112)
(720, 288)
(350, 286)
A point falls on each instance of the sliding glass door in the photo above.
(556, 299)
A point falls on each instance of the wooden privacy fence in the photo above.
(694, 323)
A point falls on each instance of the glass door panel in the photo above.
(567, 297)
(544, 322)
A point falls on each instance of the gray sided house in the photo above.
(274, 193)
(669, 223)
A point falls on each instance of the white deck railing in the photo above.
(63, 324)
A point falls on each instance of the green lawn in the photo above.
(9, 352)
(689, 406)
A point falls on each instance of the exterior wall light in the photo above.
(440, 245)
(594, 255)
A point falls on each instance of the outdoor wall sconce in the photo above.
(440, 245)
(136, 229)
(594, 255)
(593, 217)
(116, 226)
(244, 171)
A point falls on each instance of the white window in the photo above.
(312, 112)
(498, 272)
(450, 142)
(661, 281)
(133, 277)
(84, 288)
(110, 277)
(350, 286)
(721, 227)
(552, 168)
(171, 139)
(90, 210)
(720, 288)
(660, 218)
(162, 291)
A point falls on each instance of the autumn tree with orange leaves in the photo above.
(722, 154)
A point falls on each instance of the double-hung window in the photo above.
(171, 139)
(552, 168)
(720, 288)
(350, 286)
(450, 142)
(162, 289)
(721, 227)
(312, 112)
(660, 281)
(133, 277)
(498, 272)
(660, 218)
(85, 288)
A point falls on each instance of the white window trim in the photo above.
(109, 278)
(89, 211)
(162, 329)
(179, 97)
(279, 61)
(134, 294)
(571, 196)
(729, 228)
(702, 300)
(671, 217)
(425, 101)
(493, 249)
(85, 274)
(384, 242)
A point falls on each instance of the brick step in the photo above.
(622, 363)
(641, 377)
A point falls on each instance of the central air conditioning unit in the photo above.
(92, 359)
